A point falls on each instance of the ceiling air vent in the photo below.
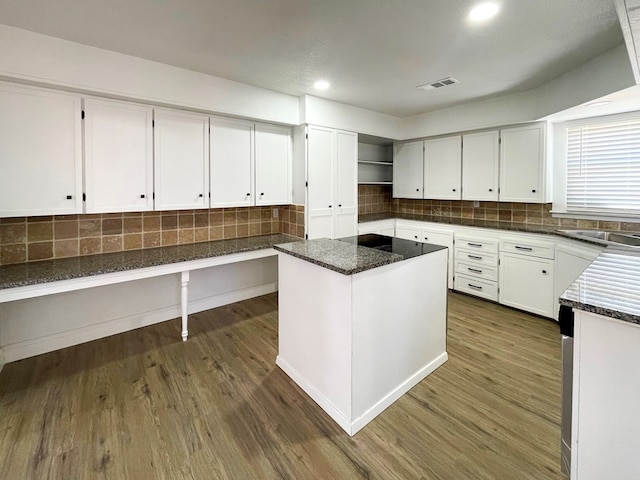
(443, 82)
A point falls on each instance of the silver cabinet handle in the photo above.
(526, 249)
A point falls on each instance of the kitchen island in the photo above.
(361, 321)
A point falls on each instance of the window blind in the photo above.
(603, 167)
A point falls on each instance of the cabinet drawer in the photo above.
(542, 250)
(477, 258)
(477, 287)
(478, 244)
(408, 233)
(437, 238)
(487, 272)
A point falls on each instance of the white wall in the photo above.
(31, 57)
(326, 113)
(607, 73)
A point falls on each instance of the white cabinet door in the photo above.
(408, 232)
(118, 156)
(231, 145)
(480, 159)
(408, 165)
(437, 236)
(522, 164)
(40, 152)
(345, 180)
(181, 160)
(320, 186)
(527, 283)
(273, 165)
(442, 168)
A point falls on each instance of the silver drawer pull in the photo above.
(474, 270)
(474, 286)
(474, 244)
(475, 257)
(526, 249)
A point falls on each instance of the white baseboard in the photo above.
(49, 343)
(352, 427)
(395, 394)
(315, 395)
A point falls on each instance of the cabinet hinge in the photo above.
(82, 114)
(498, 189)
(498, 261)
(153, 123)
(84, 197)
(209, 194)
(306, 236)
(306, 184)
(153, 195)
(500, 141)
(306, 135)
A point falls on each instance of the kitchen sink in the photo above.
(612, 238)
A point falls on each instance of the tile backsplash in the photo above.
(378, 199)
(29, 239)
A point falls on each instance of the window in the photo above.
(602, 167)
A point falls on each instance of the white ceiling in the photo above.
(374, 52)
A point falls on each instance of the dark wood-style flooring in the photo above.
(144, 405)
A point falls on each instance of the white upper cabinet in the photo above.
(118, 156)
(272, 165)
(181, 160)
(231, 144)
(408, 169)
(480, 160)
(442, 166)
(40, 152)
(523, 172)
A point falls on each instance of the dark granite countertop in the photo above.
(463, 222)
(610, 286)
(34, 273)
(349, 255)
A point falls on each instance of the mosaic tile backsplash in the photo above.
(29, 239)
(378, 199)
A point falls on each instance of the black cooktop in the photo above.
(400, 246)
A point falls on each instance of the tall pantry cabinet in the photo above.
(331, 160)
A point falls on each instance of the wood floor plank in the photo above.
(144, 405)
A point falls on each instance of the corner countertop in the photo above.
(34, 273)
(610, 286)
(352, 255)
(464, 222)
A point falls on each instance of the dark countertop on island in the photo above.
(356, 254)
(610, 286)
(34, 273)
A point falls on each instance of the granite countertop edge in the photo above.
(48, 271)
(391, 258)
(605, 312)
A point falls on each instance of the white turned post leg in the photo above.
(184, 300)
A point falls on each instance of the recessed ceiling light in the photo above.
(322, 85)
(483, 11)
(598, 104)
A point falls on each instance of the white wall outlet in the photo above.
(275, 213)
(476, 203)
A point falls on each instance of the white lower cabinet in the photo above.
(381, 227)
(429, 234)
(476, 266)
(527, 276)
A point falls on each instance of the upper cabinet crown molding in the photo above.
(40, 152)
(118, 142)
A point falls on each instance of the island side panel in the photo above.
(314, 333)
(399, 330)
